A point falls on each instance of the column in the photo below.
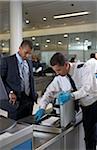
(15, 25)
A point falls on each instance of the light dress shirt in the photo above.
(58, 84)
(24, 74)
(86, 83)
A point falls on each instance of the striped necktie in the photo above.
(25, 75)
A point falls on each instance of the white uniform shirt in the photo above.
(85, 81)
(58, 84)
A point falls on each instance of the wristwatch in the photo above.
(72, 95)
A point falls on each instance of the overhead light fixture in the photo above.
(48, 41)
(79, 42)
(3, 44)
(86, 41)
(59, 43)
(65, 35)
(37, 44)
(27, 21)
(44, 18)
(33, 38)
(46, 46)
(77, 38)
(69, 45)
(71, 15)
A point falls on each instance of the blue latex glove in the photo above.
(63, 97)
(39, 115)
(96, 75)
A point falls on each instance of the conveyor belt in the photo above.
(29, 120)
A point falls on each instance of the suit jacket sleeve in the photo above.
(3, 72)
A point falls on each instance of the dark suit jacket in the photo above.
(9, 72)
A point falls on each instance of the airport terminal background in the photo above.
(75, 39)
(80, 44)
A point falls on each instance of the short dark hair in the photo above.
(25, 43)
(92, 55)
(58, 59)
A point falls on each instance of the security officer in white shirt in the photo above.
(85, 81)
(53, 89)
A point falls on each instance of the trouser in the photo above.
(24, 107)
(89, 124)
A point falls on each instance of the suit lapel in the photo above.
(16, 66)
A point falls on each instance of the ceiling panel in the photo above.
(36, 10)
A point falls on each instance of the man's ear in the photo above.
(66, 65)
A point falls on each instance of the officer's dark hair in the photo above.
(58, 59)
(92, 55)
(26, 43)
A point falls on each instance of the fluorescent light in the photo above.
(71, 15)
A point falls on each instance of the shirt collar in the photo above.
(20, 60)
(72, 66)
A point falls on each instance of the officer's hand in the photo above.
(39, 115)
(64, 97)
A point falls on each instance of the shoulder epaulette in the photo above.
(80, 65)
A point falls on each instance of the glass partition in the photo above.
(79, 44)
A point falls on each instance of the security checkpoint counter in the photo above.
(37, 137)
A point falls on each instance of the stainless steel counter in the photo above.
(17, 135)
(20, 133)
(42, 136)
(43, 140)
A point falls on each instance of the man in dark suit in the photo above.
(17, 75)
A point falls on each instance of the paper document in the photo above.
(50, 121)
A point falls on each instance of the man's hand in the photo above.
(39, 115)
(64, 97)
(12, 98)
